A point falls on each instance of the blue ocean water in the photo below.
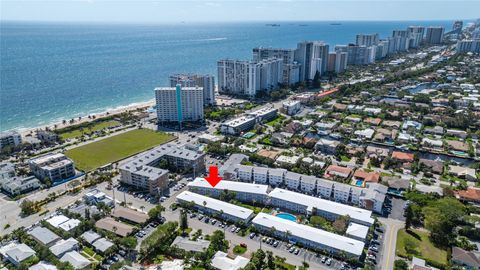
(50, 72)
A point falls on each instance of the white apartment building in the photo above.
(367, 39)
(263, 114)
(308, 53)
(291, 69)
(291, 107)
(468, 45)
(260, 175)
(237, 125)
(308, 184)
(245, 192)
(434, 35)
(244, 173)
(17, 185)
(357, 55)
(141, 171)
(292, 180)
(341, 193)
(10, 138)
(309, 205)
(325, 188)
(337, 61)
(276, 177)
(207, 82)
(179, 104)
(249, 77)
(54, 166)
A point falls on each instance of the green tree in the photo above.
(183, 221)
(400, 265)
(156, 212)
(28, 207)
(441, 217)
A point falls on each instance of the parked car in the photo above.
(324, 259)
(297, 251)
(275, 244)
(329, 262)
(233, 229)
(252, 235)
(237, 230)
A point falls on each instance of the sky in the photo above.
(158, 11)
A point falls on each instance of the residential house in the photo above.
(102, 245)
(472, 194)
(377, 152)
(463, 172)
(457, 146)
(465, 259)
(433, 166)
(432, 143)
(76, 260)
(16, 253)
(402, 157)
(63, 246)
(326, 146)
(457, 133)
(385, 135)
(373, 177)
(365, 134)
(44, 236)
(337, 171)
(436, 130)
(373, 121)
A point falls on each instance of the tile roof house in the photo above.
(472, 194)
(457, 145)
(360, 174)
(402, 156)
(334, 170)
(435, 166)
(465, 258)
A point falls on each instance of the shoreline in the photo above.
(84, 118)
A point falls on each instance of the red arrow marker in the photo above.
(213, 178)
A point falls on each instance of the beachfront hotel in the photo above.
(308, 236)
(179, 104)
(225, 211)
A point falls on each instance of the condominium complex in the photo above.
(248, 77)
(357, 55)
(308, 236)
(468, 45)
(55, 166)
(207, 82)
(313, 58)
(248, 121)
(142, 170)
(291, 69)
(223, 210)
(179, 104)
(10, 138)
(310, 205)
(367, 40)
(337, 61)
(244, 192)
(434, 35)
(18, 185)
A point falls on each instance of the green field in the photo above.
(94, 155)
(95, 127)
(420, 246)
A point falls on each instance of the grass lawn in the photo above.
(423, 247)
(239, 249)
(94, 155)
(277, 120)
(284, 265)
(98, 126)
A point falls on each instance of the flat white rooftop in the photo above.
(231, 186)
(324, 205)
(309, 233)
(357, 230)
(239, 121)
(217, 205)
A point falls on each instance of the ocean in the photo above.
(50, 72)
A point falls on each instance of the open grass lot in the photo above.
(79, 132)
(406, 243)
(94, 155)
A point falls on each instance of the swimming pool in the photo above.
(359, 183)
(287, 216)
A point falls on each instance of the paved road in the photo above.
(389, 241)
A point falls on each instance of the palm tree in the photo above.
(287, 235)
(114, 229)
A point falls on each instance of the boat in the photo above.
(272, 24)
(335, 24)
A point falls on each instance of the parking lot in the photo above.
(294, 254)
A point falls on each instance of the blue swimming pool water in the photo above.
(359, 183)
(287, 216)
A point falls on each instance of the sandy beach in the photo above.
(83, 119)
